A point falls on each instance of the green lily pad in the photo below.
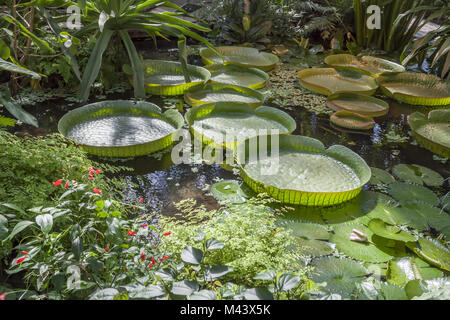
(382, 229)
(228, 190)
(433, 133)
(351, 120)
(341, 275)
(358, 103)
(227, 123)
(328, 81)
(121, 128)
(402, 270)
(376, 249)
(306, 173)
(371, 66)
(445, 202)
(414, 173)
(240, 56)
(380, 177)
(219, 92)
(433, 252)
(409, 192)
(433, 289)
(416, 88)
(237, 75)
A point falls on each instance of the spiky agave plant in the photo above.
(115, 17)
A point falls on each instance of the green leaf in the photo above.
(418, 174)
(13, 207)
(213, 244)
(77, 247)
(432, 251)
(203, 295)
(214, 272)
(192, 255)
(268, 275)
(382, 229)
(288, 282)
(380, 177)
(402, 270)
(4, 50)
(45, 221)
(258, 294)
(19, 227)
(185, 287)
(141, 292)
(435, 289)
(18, 112)
(104, 294)
(411, 192)
(228, 190)
(165, 274)
(136, 65)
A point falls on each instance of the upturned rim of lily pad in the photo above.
(264, 77)
(337, 103)
(371, 66)
(340, 118)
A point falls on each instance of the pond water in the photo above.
(161, 183)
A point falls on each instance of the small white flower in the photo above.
(358, 236)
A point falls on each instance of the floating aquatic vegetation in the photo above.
(432, 251)
(417, 174)
(121, 128)
(228, 190)
(237, 75)
(352, 120)
(358, 103)
(411, 192)
(388, 231)
(371, 66)
(402, 270)
(380, 177)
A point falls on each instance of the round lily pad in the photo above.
(402, 270)
(445, 202)
(376, 249)
(228, 190)
(358, 103)
(167, 77)
(121, 128)
(380, 177)
(226, 123)
(237, 75)
(433, 133)
(371, 66)
(411, 192)
(385, 230)
(351, 120)
(219, 92)
(328, 81)
(416, 88)
(341, 275)
(418, 174)
(435, 289)
(241, 56)
(432, 251)
(299, 170)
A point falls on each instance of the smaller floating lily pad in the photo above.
(433, 133)
(237, 75)
(402, 270)
(418, 174)
(328, 81)
(219, 92)
(380, 177)
(371, 66)
(351, 120)
(432, 251)
(385, 230)
(416, 88)
(436, 289)
(411, 192)
(341, 275)
(228, 190)
(358, 103)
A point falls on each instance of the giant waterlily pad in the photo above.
(226, 123)
(418, 174)
(380, 177)
(341, 275)
(402, 270)
(121, 128)
(219, 92)
(433, 133)
(239, 76)
(167, 78)
(375, 249)
(358, 103)
(416, 88)
(411, 192)
(351, 120)
(328, 81)
(299, 170)
(241, 56)
(433, 252)
(371, 66)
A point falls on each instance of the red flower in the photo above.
(153, 261)
(74, 182)
(64, 170)
(98, 171)
(168, 233)
(150, 265)
(107, 249)
(131, 233)
(142, 256)
(20, 260)
(141, 200)
(90, 168)
(144, 225)
(24, 252)
(154, 246)
(90, 178)
(66, 185)
(3, 296)
(134, 207)
(163, 258)
(57, 182)
(126, 269)
(91, 172)
(96, 191)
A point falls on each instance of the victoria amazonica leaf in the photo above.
(351, 120)
(358, 103)
(121, 128)
(237, 75)
(371, 66)
(302, 171)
